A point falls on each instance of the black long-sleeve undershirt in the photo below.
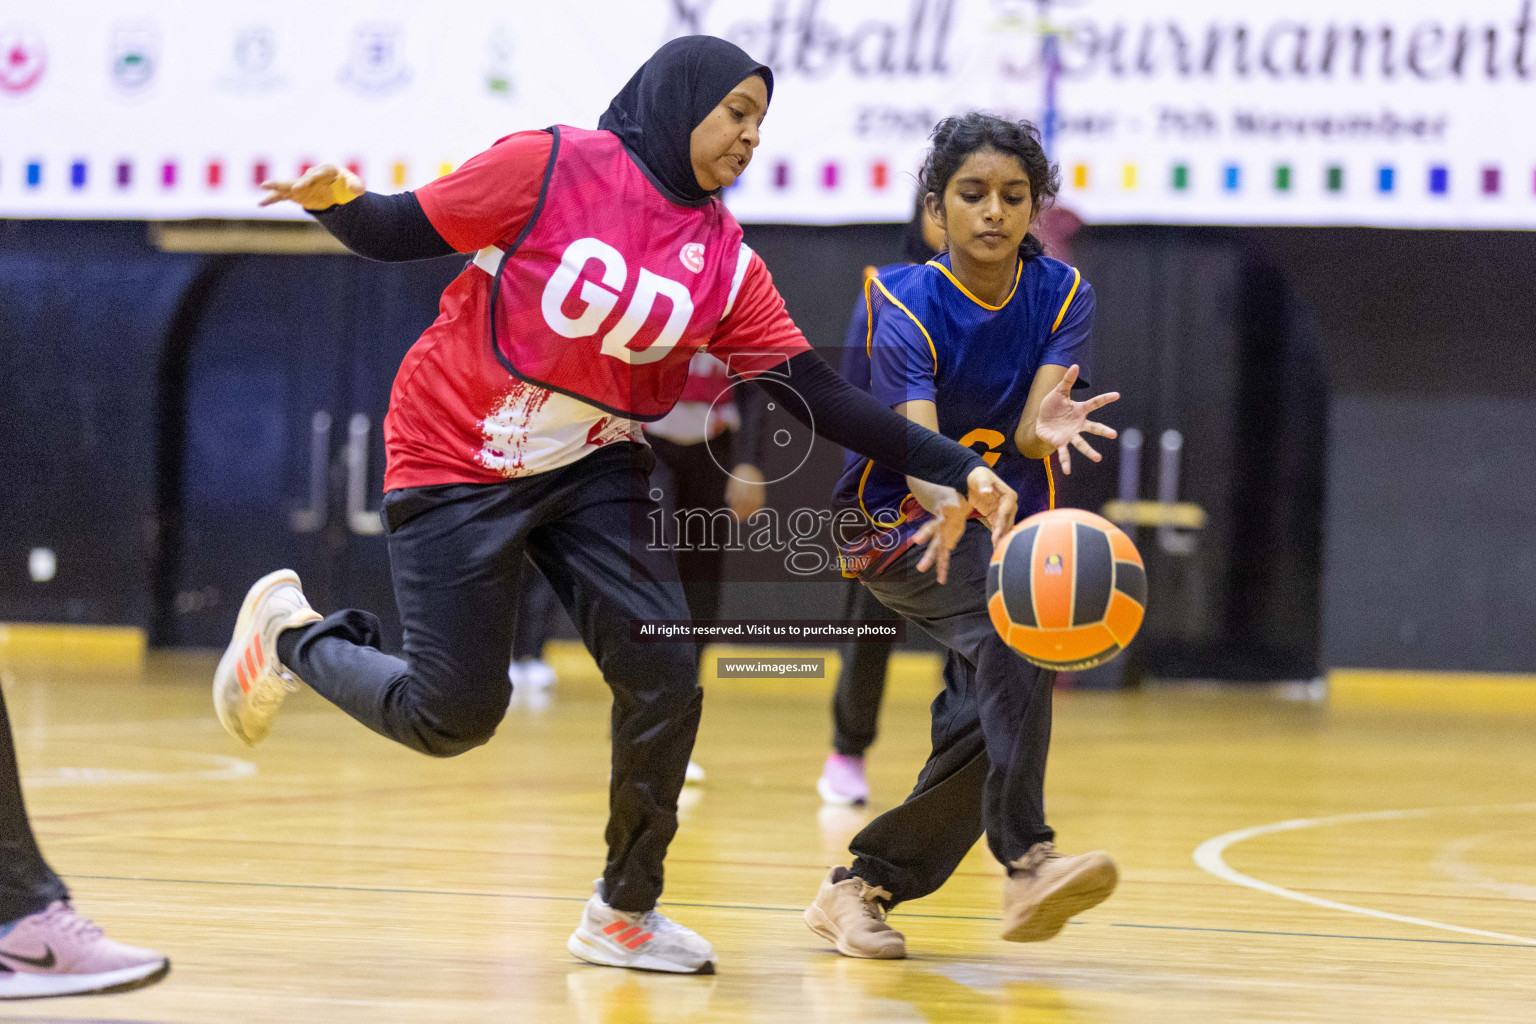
(751, 444)
(393, 229)
(844, 415)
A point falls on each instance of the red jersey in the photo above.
(457, 415)
(610, 309)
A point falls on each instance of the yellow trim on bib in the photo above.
(1017, 274)
(1077, 279)
(897, 302)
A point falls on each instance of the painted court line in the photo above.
(1208, 855)
(1315, 935)
(219, 768)
(763, 908)
(1452, 863)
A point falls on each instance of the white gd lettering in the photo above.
(639, 310)
(601, 299)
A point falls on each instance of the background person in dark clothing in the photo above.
(861, 679)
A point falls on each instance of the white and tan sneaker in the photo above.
(645, 941)
(250, 684)
(1046, 888)
(850, 913)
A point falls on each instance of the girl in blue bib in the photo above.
(984, 344)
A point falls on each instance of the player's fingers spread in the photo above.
(1007, 510)
(1086, 448)
(1101, 401)
(1103, 430)
(929, 554)
(321, 175)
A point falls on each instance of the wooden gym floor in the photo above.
(1360, 858)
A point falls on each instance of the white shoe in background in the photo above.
(532, 672)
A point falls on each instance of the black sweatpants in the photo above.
(991, 734)
(27, 883)
(861, 681)
(456, 552)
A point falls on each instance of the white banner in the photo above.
(1372, 112)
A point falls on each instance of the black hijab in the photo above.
(662, 103)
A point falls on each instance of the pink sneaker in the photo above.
(60, 953)
(842, 781)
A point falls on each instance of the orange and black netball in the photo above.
(1066, 589)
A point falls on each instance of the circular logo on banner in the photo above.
(498, 70)
(692, 256)
(135, 56)
(22, 59)
(254, 68)
(376, 65)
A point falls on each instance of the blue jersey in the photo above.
(928, 338)
(854, 365)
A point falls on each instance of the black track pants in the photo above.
(861, 682)
(456, 552)
(27, 883)
(991, 735)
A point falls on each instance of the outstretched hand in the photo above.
(942, 532)
(1063, 422)
(322, 186)
(995, 500)
(986, 493)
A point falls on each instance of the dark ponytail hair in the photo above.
(956, 138)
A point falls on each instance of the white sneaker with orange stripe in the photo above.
(250, 683)
(647, 941)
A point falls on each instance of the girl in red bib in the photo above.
(603, 260)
